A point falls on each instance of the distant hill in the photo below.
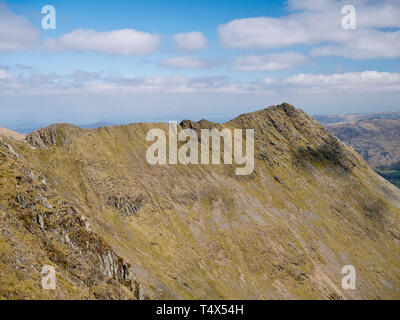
(96, 125)
(27, 128)
(353, 118)
(376, 137)
(376, 140)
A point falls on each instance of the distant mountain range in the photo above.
(353, 118)
(28, 128)
(376, 137)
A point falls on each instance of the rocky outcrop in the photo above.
(66, 235)
(9, 148)
(57, 134)
(126, 204)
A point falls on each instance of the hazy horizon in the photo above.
(28, 127)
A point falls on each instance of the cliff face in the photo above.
(87, 202)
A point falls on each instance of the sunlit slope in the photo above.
(311, 206)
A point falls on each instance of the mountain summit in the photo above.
(113, 226)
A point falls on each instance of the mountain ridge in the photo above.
(311, 206)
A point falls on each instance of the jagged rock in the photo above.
(86, 223)
(31, 176)
(40, 222)
(45, 202)
(108, 264)
(57, 134)
(9, 148)
(21, 200)
(202, 124)
(126, 204)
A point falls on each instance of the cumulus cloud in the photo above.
(188, 63)
(337, 83)
(319, 23)
(359, 81)
(368, 45)
(16, 32)
(262, 32)
(124, 42)
(190, 41)
(276, 61)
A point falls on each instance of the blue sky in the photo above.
(130, 61)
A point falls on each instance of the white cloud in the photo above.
(92, 83)
(354, 83)
(351, 81)
(367, 45)
(262, 32)
(276, 61)
(188, 63)
(124, 42)
(16, 32)
(190, 41)
(268, 81)
(319, 23)
(4, 75)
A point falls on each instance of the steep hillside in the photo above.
(87, 202)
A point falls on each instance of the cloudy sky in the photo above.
(157, 60)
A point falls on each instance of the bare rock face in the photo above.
(64, 236)
(197, 126)
(57, 134)
(116, 227)
(126, 204)
(9, 148)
